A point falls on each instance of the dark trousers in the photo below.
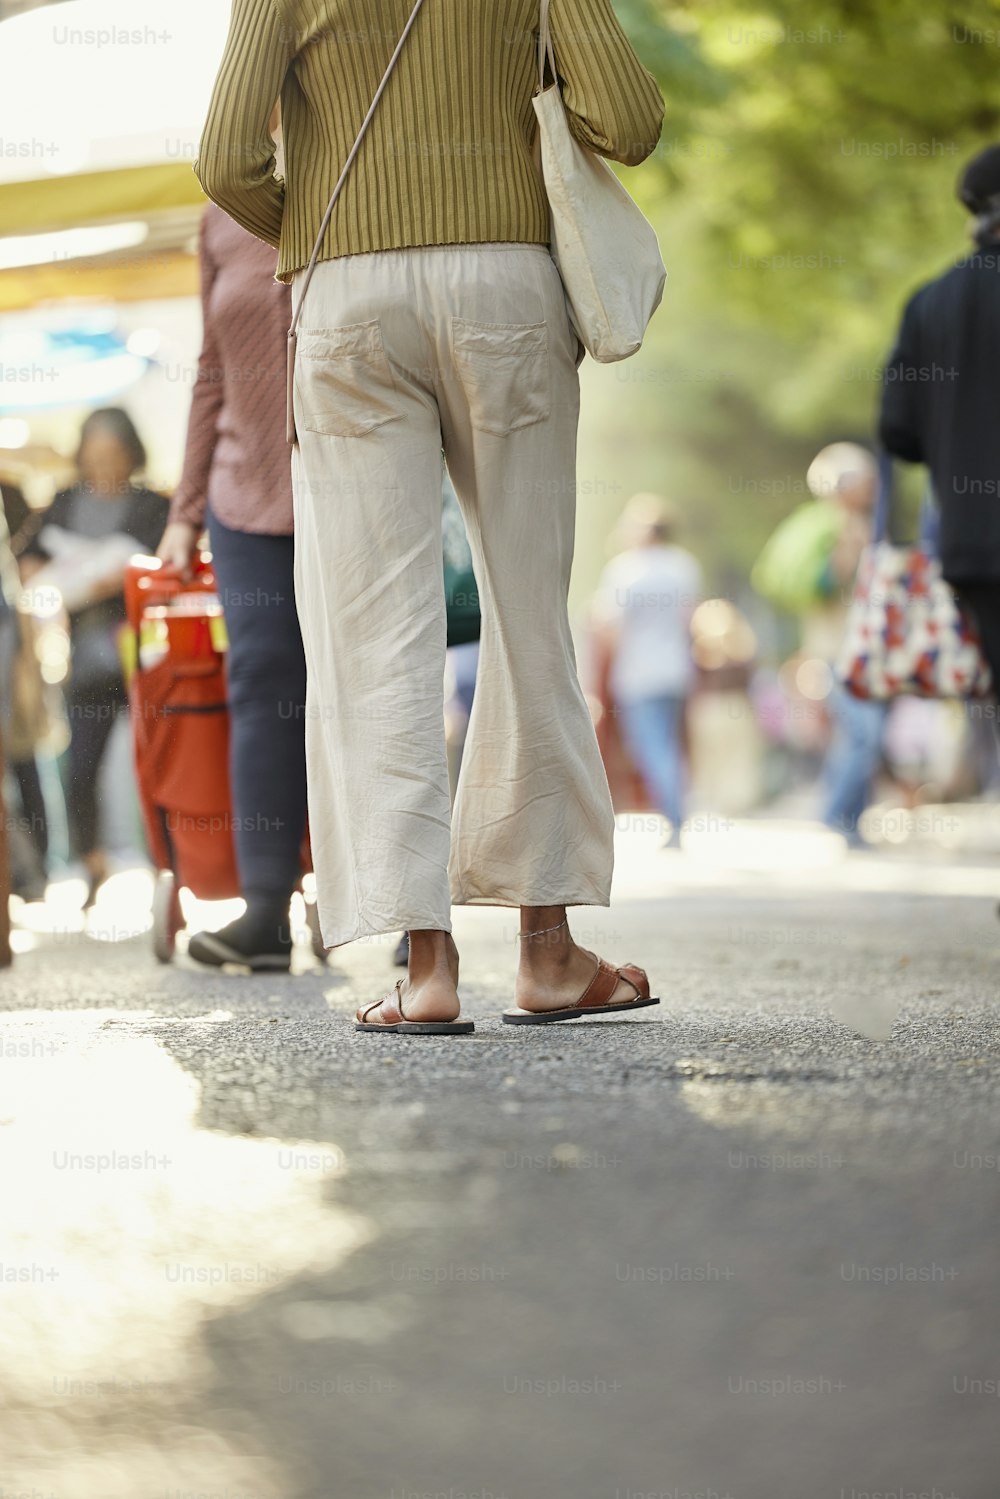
(266, 691)
(983, 603)
(33, 810)
(92, 713)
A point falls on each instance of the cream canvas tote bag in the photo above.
(606, 250)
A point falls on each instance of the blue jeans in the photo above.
(266, 689)
(852, 760)
(651, 727)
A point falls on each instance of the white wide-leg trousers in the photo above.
(402, 354)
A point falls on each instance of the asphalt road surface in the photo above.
(741, 1247)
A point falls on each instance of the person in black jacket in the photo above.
(105, 503)
(941, 405)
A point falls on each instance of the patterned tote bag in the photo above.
(906, 632)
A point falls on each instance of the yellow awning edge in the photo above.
(51, 203)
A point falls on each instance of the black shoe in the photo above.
(260, 940)
(401, 957)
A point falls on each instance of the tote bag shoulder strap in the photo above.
(545, 48)
(882, 525)
(882, 521)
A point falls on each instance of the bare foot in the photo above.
(430, 989)
(553, 971)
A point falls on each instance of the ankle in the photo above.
(432, 955)
(543, 927)
(550, 950)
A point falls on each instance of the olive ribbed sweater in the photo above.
(448, 158)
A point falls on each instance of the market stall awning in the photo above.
(96, 197)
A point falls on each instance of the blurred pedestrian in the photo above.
(645, 602)
(939, 402)
(86, 535)
(724, 744)
(28, 719)
(436, 314)
(807, 568)
(236, 475)
(846, 475)
(9, 589)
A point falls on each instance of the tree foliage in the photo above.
(804, 185)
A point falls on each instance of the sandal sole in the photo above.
(548, 1017)
(422, 1027)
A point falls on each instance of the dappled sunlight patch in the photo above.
(126, 1227)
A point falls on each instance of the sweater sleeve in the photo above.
(190, 496)
(614, 105)
(236, 158)
(899, 426)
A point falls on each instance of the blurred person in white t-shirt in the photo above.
(645, 601)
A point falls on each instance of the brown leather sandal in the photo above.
(594, 999)
(391, 1018)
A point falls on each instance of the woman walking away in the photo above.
(236, 468)
(436, 319)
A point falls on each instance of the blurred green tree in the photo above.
(803, 186)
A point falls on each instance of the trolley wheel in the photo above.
(315, 935)
(167, 918)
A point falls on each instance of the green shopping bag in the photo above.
(792, 570)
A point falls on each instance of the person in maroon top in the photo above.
(236, 475)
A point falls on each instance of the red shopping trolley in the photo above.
(180, 729)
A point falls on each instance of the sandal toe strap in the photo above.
(389, 1008)
(601, 986)
(605, 981)
(637, 977)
